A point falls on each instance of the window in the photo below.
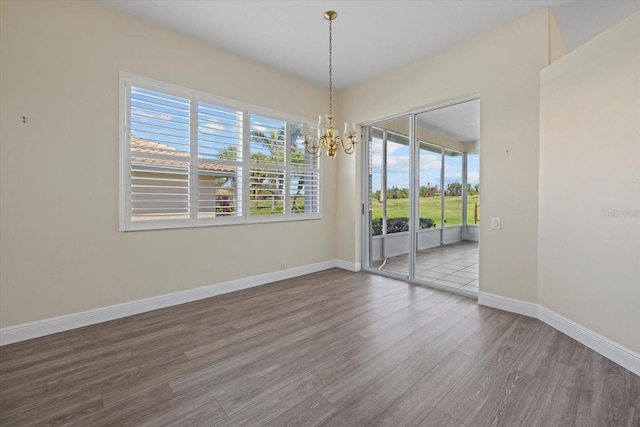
(190, 159)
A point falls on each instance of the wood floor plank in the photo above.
(20, 356)
(75, 360)
(478, 398)
(514, 342)
(324, 337)
(609, 395)
(431, 354)
(378, 344)
(235, 344)
(212, 380)
(402, 301)
(486, 390)
(58, 411)
(555, 402)
(287, 397)
(184, 413)
(488, 335)
(129, 410)
(374, 329)
(310, 412)
(339, 307)
(282, 311)
(438, 418)
(538, 363)
(332, 347)
(240, 397)
(446, 319)
(113, 394)
(366, 406)
(341, 391)
(104, 376)
(413, 406)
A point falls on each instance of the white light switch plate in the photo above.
(496, 224)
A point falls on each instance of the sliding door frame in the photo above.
(414, 187)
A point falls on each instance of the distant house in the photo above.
(161, 166)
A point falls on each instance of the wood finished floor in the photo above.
(333, 348)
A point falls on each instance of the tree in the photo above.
(454, 189)
(428, 190)
(265, 184)
(229, 153)
(397, 193)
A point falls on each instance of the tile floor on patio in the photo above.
(453, 266)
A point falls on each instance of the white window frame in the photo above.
(127, 224)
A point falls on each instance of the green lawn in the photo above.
(430, 208)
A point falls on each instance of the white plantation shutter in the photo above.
(268, 137)
(304, 190)
(159, 145)
(304, 182)
(190, 159)
(220, 146)
(267, 148)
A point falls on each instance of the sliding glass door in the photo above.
(388, 189)
(422, 197)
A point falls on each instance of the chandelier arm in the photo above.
(313, 148)
(352, 144)
(351, 149)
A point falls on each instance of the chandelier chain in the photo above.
(330, 71)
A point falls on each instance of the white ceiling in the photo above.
(369, 37)
(459, 121)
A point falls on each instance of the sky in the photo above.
(430, 164)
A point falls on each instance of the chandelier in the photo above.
(327, 138)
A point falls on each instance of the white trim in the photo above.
(54, 325)
(624, 357)
(350, 266)
(508, 304)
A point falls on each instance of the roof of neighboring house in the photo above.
(145, 146)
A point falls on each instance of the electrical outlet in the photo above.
(283, 265)
(496, 224)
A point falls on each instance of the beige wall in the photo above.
(589, 261)
(60, 248)
(502, 67)
(557, 48)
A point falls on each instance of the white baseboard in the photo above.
(528, 309)
(346, 265)
(624, 357)
(621, 355)
(54, 325)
